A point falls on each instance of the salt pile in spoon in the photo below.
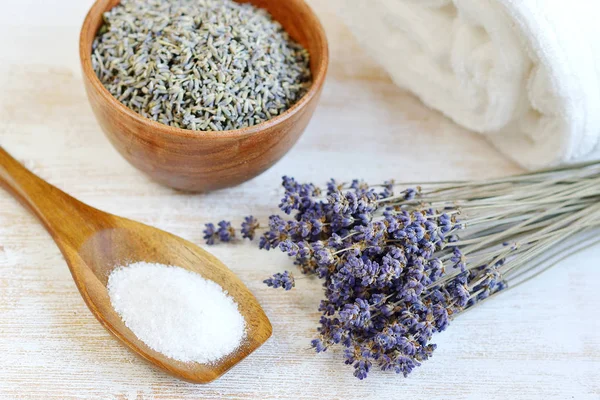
(176, 312)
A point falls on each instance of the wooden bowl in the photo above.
(203, 161)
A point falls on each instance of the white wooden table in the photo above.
(541, 340)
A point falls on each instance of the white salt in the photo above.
(176, 312)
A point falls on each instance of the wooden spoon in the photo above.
(94, 243)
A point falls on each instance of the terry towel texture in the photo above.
(525, 73)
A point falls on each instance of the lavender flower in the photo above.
(226, 232)
(249, 227)
(210, 233)
(281, 280)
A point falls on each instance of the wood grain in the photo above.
(539, 341)
(204, 161)
(94, 243)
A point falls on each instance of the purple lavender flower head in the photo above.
(283, 280)
(249, 227)
(388, 189)
(333, 186)
(226, 232)
(361, 369)
(289, 247)
(410, 194)
(291, 201)
(318, 345)
(210, 233)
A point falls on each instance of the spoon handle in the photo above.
(65, 218)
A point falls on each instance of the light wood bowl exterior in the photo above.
(204, 161)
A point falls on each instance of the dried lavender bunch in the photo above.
(398, 266)
(207, 65)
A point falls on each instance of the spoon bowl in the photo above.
(94, 243)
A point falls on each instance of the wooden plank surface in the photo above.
(541, 340)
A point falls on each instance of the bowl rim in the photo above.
(316, 85)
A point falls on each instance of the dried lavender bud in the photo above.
(249, 227)
(281, 280)
(226, 232)
(210, 233)
(207, 65)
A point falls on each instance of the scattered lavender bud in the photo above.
(281, 280)
(249, 227)
(226, 232)
(210, 233)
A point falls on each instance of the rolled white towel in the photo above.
(525, 73)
